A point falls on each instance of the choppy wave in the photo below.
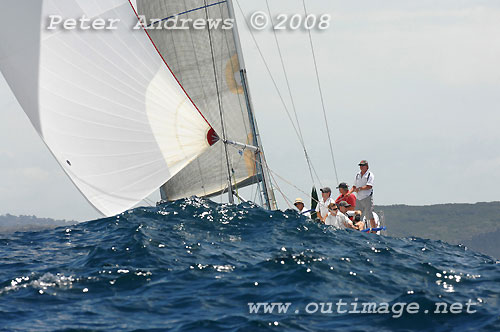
(194, 265)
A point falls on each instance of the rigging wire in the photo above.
(276, 87)
(321, 93)
(289, 183)
(149, 202)
(271, 173)
(220, 102)
(287, 200)
(269, 72)
(249, 113)
(289, 90)
(255, 196)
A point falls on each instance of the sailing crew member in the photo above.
(299, 204)
(363, 187)
(359, 224)
(325, 200)
(336, 218)
(344, 207)
(345, 196)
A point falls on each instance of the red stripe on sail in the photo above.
(166, 64)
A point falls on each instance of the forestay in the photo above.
(107, 106)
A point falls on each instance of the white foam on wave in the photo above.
(43, 284)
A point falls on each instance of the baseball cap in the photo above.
(363, 163)
(326, 190)
(343, 185)
(344, 204)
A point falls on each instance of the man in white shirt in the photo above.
(324, 201)
(336, 218)
(363, 187)
(299, 204)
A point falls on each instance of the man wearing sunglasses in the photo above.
(336, 218)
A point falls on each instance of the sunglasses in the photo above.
(334, 209)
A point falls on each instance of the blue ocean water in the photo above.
(194, 265)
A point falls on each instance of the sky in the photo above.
(411, 86)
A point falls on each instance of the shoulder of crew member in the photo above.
(337, 200)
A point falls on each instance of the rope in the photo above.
(321, 94)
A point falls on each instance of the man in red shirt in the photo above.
(346, 197)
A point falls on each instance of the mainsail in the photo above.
(207, 64)
(104, 102)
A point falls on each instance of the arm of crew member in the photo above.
(349, 225)
(347, 222)
(367, 187)
(322, 218)
(318, 214)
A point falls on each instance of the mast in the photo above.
(265, 184)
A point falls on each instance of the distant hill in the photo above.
(475, 225)
(10, 223)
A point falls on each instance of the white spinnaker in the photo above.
(104, 102)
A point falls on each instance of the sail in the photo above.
(105, 103)
(205, 62)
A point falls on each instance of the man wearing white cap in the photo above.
(299, 204)
(363, 186)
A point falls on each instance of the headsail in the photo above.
(105, 103)
(192, 55)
